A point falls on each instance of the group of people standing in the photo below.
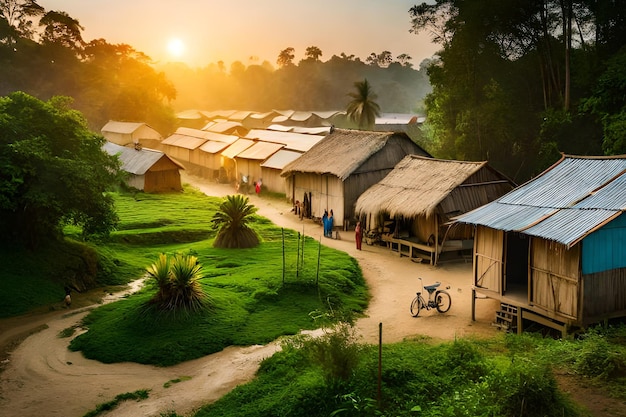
(328, 223)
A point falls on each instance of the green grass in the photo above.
(31, 280)
(254, 298)
(110, 405)
(471, 378)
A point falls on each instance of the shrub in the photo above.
(336, 352)
(596, 357)
(178, 283)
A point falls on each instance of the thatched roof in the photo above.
(341, 152)
(416, 186)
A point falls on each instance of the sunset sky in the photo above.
(200, 32)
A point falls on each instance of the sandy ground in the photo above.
(40, 376)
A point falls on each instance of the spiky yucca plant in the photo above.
(185, 289)
(160, 271)
(232, 220)
(179, 285)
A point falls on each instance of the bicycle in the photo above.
(439, 299)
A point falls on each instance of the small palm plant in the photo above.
(232, 220)
(178, 282)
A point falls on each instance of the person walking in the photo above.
(358, 235)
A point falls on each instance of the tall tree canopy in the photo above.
(53, 171)
(512, 75)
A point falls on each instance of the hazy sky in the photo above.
(236, 30)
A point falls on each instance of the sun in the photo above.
(176, 47)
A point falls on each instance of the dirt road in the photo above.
(42, 377)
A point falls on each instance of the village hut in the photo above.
(184, 143)
(211, 161)
(131, 133)
(149, 170)
(229, 161)
(272, 168)
(249, 160)
(553, 251)
(340, 167)
(409, 209)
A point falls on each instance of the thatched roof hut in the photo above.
(340, 167)
(420, 195)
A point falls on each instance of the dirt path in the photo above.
(42, 377)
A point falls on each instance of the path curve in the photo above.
(41, 376)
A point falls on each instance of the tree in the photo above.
(62, 29)
(53, 171)
(285, 57)
(313, 52)
(18, 14)
(363, 110)
(231, 221)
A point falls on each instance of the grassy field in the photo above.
(256, 294)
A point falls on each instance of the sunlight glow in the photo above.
(176, 47)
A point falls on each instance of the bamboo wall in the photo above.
(488, 258)
(555, 273)
(326, 194)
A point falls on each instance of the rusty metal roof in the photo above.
(565, 203)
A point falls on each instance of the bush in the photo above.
(336, 352)
(597, 358)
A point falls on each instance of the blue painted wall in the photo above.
(605, 248)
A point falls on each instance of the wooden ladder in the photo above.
(506, 317)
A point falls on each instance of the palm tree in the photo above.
(232, 220)
(363, 110)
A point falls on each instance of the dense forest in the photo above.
(44, 54)
(518, 81)
(515, 82)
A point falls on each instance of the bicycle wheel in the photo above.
(416, 306)
(443, 301)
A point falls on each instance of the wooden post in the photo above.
(473, 304)
(380, 363)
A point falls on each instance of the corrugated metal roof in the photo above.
(280, 159)
(237, 147)
(134, 161)
(568, 226)
(260, 151)
(564, 203)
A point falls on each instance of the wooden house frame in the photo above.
(411, 207)
(553, 251)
